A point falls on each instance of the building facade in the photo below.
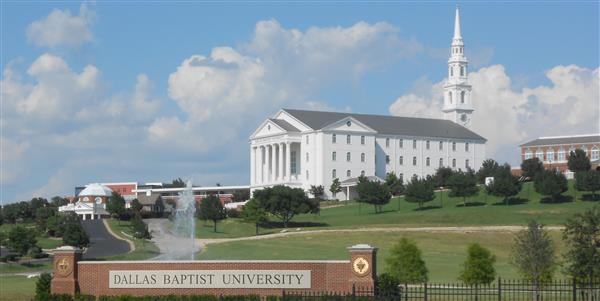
(554, 151)
(301, 148)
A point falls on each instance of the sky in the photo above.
(140, 91)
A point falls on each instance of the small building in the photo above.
(90, 203)
(152, 203)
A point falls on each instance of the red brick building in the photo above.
(554, 151)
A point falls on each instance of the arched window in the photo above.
(450, 96)
(307, 174)
(333, 156)
(462, 97)
(387, 142)
(401, 143)
(427, 144)
(453, 162)
(362, 173)
(462, 71)
(333, 138)
(401, 160)
(414, 143)
(466, 146)
(362, 157)
(362, 140)
(595, 153)
(306, 157)
(561, 154)
(467, 164)
(415, 161)
(333, 174)
(441, 162)
(427, 161)
(348, 173)
(453, 146)
(387, 159)
(441, 145)
(348, 156)
(451, 71)
(347, 139)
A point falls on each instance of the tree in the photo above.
(394, 183)
(387, 285)
(550, 183)
(254, 213)
(373, 192)
(241, 195)
(285, 202)
(41, 217)
(73, 233)
(116, 205)
(478, 268)
(59, 201)
(531, 167)
(336, 187)
(140, 229)
(588, 181)
(42, 287)
(405, 262)
(578, 161)
(505, 184)
(463, 184)
(317, 191)
(136, 206)
(177, 183)
(442, 175)
(20, 240)
(582, 236)
(36, 203)
(419, 191)
(533, 254)
(489, 168)
(212, 209)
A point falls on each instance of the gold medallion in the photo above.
(63, 267)
(360, 266)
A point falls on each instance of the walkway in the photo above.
(102, 243)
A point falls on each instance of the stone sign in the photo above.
(282, 279)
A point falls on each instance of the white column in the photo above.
(261, 163)
(273, 162)
(280, 147)
(288, 164)
(252, 166)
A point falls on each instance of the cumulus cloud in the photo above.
(507, 116)
(60, 28)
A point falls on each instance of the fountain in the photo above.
(184, 223)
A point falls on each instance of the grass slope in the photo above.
(481, 210)
(17, 288)
(442, 252)
(143, 249)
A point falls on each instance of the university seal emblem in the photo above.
(63, 267)
(360, 266)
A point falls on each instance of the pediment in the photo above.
(268, 128)
(349, 124)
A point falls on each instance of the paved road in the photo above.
(102, 243)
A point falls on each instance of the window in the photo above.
(333, 138)
(427, 162)
(293, 163)
(453, 163)
(362, 140)
(362, 157)
(401, 160)
(333, 156)
(333, 174)
(401, 176)
(306, 139)
(86, 199)
(307, 174)
(387, 159)
(540, 155)
(441, 162)
(348, 157)
(414, 143)
(98, 200)
(348, 173)
(462, 97)
(595, 153)
(529, 155)
(348, 139)
(451, 71)
(467, 164)
(467, 147)
(453, 146)
(387, 142)
(307, 157)
(462, 71)
(561, 154)
(415, 161)
(550, 155)
(450, 96)
(427, 144)
(441, 145)
(362, 173)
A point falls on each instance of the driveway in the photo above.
(102, 243)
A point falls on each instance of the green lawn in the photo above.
(143, 249)
(17, 288)
(9, 268)
(443, 211)
(442, 252)
(43, 241)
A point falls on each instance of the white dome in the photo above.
(95, 189)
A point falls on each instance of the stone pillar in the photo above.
(65, 261)
(261, 161)
(280, 165)
(273, 162)
(363, 265)
(288, 164)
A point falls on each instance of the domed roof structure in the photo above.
(96, 189)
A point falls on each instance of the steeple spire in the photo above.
(457, 24)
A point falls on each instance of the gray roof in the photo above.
(285, 125)
(152, 199)
(595, 138)
(390, 125)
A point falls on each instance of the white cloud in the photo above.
(508, 117)
(60, 28)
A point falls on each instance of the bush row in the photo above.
(65, 297)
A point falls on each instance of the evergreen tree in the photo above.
(505, 184)
(489, 168)
(478, 268)
(20, 240)
(42, 287)
(419, 191)
(551, 183)
(463, 184)
(582, 237)
(116, 205)
(373, 192)
(140, 229)
(405, 262)
(336, 187)
(394, 184)
(317, 191)
(588, 181)
(212, 209)
(255, 214)
(578, 161)
(532, 167)
(533, 254)
(74, 235)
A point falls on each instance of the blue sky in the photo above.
(528, 61)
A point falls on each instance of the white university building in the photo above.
(300, 148)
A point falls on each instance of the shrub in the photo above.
(42, 286)
(387, 285)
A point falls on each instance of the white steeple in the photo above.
(457, 91)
